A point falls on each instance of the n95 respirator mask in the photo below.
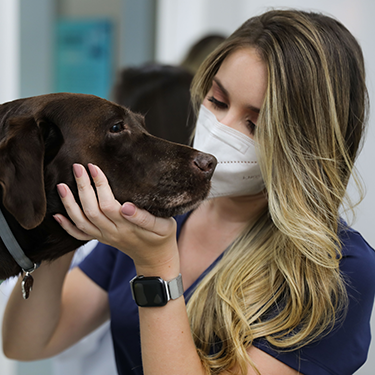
(237, 172)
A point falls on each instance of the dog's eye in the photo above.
(117, 128)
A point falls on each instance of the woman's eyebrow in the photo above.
(225, 92)
(221, 87)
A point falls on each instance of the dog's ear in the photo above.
(21, 171)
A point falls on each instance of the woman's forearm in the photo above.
(167, 344)
(29, 324)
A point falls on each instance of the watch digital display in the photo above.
(149, 292)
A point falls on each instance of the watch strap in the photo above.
(175, 287)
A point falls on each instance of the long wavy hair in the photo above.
(280, 281)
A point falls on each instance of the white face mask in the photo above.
(237, 172)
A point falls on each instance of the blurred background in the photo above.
(82, 46)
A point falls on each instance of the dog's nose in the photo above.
(206, 163)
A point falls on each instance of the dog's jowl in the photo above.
(40, 139)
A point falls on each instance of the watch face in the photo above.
(149, 292)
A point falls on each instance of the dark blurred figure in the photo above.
(200, 50)
(162, 94)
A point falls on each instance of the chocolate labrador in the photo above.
(40, 139)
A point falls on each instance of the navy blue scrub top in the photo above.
(341, 352)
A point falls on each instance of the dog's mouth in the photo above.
(179, 189)
(171, 205)
(173, 211)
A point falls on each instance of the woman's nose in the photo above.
(230, 119)
(223, 117)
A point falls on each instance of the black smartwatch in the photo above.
(154, 291)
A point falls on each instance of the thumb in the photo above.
(137, 216)
(147, 221)
(128, 209)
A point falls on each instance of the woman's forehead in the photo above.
(244, 75)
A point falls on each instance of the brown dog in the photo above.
(40, 139)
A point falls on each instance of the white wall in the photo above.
(9, 90)
(37, 35)
(9, 47)
(180, 23)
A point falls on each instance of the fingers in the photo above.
(101, 209)
(98, 216)
(75, 213)
(107, 202)
(86, 192)
(71, 228)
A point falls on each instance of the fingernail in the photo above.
(61, 189)
(78, 170)
(128, 209)
(93, 170)
(57, 219)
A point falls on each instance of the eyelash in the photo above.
(220, 106)
(216, 103)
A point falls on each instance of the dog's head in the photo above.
(41, 137)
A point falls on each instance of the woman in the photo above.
(276, 282)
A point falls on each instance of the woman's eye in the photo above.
(252, 127)
(217, 104)
(117, 128)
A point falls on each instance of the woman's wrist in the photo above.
(166, 269)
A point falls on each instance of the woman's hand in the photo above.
(150, 241)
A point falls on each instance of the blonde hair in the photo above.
(281, 280)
